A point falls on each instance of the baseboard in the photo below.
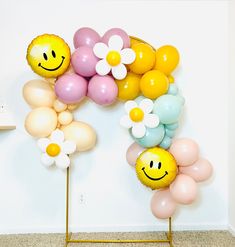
(231, 230)
(117, 228)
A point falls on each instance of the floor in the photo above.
(180, 239)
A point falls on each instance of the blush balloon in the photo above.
(133, 153)
(84, 61)
(117, 31)
(163, 205)
(102, 90)
(183, 189)
(200, 171)
(86, 37)
(185, 151)
(71, 88)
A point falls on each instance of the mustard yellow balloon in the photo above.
(167, 58)
(156, 168)
(145, 58)
(134, 41)
(129, 87)
(38, 93)
(48, 55)
(154, 84)
(82, 134)
(41, 122)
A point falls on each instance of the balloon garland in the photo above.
(104, 69)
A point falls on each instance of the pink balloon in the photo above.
(117, 31)
(84, 61)
(183, 189)
(200, 171)
(102, 89)
(86, 37)
(71, 88)
(163, 206)
(185, 151)
(133, 153)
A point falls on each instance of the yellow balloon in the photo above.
(145, 58)
(65, 117)
(134, 41)
(38, 93)
(167, 58)
(154, 84)
(41, 122)
(171, 79)
(156, 168)
(59, 106)
(129, 87)
(82, 134)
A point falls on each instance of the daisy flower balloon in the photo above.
(55, 149)
(139, 117)
(113, 57)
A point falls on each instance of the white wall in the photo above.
(33, 198)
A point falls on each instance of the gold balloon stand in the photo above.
(69, 239)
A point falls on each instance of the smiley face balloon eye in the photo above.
(156, 168)
(48, 55)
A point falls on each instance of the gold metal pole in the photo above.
(67, 206)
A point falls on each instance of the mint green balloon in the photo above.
(170, 133)
(166, 142)
(173, 126)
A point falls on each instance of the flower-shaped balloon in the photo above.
(139, 116)
(55, 149)
(113, 57)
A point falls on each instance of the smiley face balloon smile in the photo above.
(48, 55)
(156, 168)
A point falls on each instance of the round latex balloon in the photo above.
(38, 93)
(167, 58)
(184, 189)
(65, 117)
(154, 84)
(156, 168)
(163, 206)
(59, 106)
(117, 31)
(133, 153)
(145, 58)
(41, 121)
(82, 134)
(129, 87)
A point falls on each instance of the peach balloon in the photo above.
(41, 121)
(183, 189)
(65, 117)
(81, 133)
(38, 93)
(59, 106)
(133, 153)
(200, 171)
(163, 206)
(185, 151)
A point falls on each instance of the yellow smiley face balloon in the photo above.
(48, 55)
(156, 168)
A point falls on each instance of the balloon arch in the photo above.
(103, 69)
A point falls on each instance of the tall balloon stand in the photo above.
(69, 239)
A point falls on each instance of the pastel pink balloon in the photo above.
(183, 189)
(71, 88)
(84, 61)
(117, 31)
(102, 89)
(86, 37)
(185, 151)
(133, 153)
(163, 205)
(200, 171)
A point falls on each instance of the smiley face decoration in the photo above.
(104, 68)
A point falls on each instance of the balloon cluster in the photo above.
(104, 69)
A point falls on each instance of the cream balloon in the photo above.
(65, 117)
(59, 106)
(38, 93)
(81, 133)
(41, 121)
(73, 107)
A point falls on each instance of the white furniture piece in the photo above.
(7, 121)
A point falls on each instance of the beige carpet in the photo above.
(181, 239)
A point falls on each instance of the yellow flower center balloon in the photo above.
(48, 55)
(156, 168)
(113, 58)
(136, 114)
(53, 149)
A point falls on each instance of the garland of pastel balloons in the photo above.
(104, 69)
